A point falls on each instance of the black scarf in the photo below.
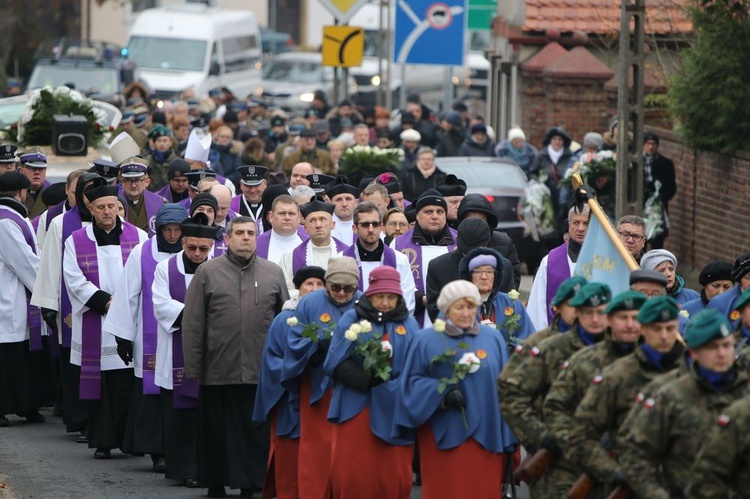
(365, 310)
(15, 205)
(108, 239)
(190, 267)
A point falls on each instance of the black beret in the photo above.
(177, 168)
(715, 271)
(650, 136)
(54, 194)
(741, 266)
(13, 181)
(453, 186)
(306, 273)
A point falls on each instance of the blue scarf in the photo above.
(563, 326)
(654, 356)
(718, 381)
(625, 347)
(588, 338)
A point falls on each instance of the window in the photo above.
(168, 53)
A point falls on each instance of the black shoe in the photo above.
(4, 422)
(159, 464)
(82, 438)
(35, 417)
(191, 483)
(251, 494)
(102, 453)
(216, 492)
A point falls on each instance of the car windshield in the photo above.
(168, 53)
(10, 111)
(293, 71)
(85, 78)
(486, 177)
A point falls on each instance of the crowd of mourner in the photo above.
(215, 295)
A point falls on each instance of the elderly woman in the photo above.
(716, 278)
(517, 149)
(363, 399)
(498, 310)
(448, 394)
(665, 262)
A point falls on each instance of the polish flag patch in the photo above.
(535, 352)
(723, 420)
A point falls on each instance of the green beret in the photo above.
(743, 300)
(592, 294)
(627, 300)
(658, 309)
(706, 326)
(568, 289)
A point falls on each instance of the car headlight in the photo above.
(307, 97)
(375, 80)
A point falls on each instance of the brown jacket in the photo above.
(228, 308)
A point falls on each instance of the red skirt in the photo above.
(358, 455)
(464, 471)
(315, 443)
(281, 477)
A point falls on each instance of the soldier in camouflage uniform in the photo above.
(663, 442)
(742, 333)
(610, 396)
(533, 377)
(578, 372)
(722, 469)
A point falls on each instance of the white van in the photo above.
(192, 45)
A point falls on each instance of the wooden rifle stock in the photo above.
(581, 488)
(532, 468)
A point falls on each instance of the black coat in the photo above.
(414, 184)
(662, 169)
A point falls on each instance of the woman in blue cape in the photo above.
(363, 401)
(499, 310)
(448, 394)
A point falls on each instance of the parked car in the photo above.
(291, 78)
(502, 182)
(275, 42)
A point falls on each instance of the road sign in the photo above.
(430, 32)
(481, 13)
(343, 46)
(343, 10)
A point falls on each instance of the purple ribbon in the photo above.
(557, 271)
(33, 314)
(388, 259)
(71, 222)
(91, 331)
(185, 390)
(150, 324)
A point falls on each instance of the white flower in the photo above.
(513, 294)
(439, 325)
(351, 335)
(471, 360)
(366, 326)
(357, 328)
(685, 314)
(292, 321)
(386, 346)
(604, 154)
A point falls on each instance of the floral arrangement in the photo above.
(375, 352)
(537, 210)
(592, 166)
(313, 331)
(35, 125)
(359, 162)
(654, 215)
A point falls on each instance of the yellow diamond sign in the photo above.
(343, 10)
(343, 46)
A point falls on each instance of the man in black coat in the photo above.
(472, 233)
(657, 168)
(425, 176)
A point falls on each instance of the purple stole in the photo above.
(299, 254)
(557, 271)
(413, 252)
(264, 241)
(389, 259)
(152, 203)
(185, 390)
(33, 315)
(53, 212)
(166, 193)
(149, 324)
(71, 222)
(234, 204)
(91, 330)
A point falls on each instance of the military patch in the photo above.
(666, 315)
(598, 379)
(535, 352)
(639, 398)
(566, 365)
(649, 403)
(723, 420)
(519, 349)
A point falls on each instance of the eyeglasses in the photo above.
(628, 235)
(483, 273)
(338, 288)
(398, 224)
(133, 181)
(369, 224)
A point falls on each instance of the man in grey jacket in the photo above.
(229, 305)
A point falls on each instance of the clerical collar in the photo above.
(111, 238)
(15, 205)
(370, 256)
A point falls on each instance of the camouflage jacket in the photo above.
(576, 375)
(742, 350)
(722, 469)
(522, 391)
(526, 345)
(605, 406)
(666, 435)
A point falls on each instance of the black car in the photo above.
(502, 182)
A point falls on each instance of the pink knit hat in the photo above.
(384, 279)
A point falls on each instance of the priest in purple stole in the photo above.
(179, 395)
(177, 187)
(93, 262)
(557, 266)
(131, 321)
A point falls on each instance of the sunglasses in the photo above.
(369, 224)
(338, 288)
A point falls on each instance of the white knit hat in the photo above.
(454, 291)
(516, 133)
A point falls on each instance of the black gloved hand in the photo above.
(50, 318)
(125, 350)
(324, 344)
(376, 381)
(454, 399)
(549, 443)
